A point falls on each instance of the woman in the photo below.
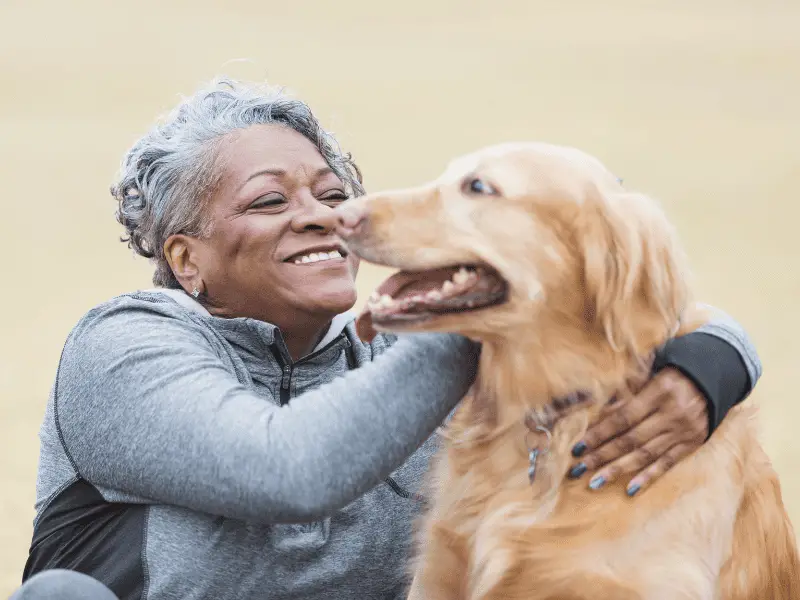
(227, 435)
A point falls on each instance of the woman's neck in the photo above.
(301, 331)
(301, 339)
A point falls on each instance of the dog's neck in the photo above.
(537, 366)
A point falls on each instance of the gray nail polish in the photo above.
(597, 483)
(578, 449)
(577, 471)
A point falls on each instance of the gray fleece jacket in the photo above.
(174, 466)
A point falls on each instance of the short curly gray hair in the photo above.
(169, 173)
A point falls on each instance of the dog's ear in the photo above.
(634, 274)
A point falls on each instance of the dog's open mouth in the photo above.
(409, 297)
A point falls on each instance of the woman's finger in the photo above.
(626, 413)
(622, 446)
(663, 464)
(634, 461)
(613, 424)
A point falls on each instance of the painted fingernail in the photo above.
(632, 489)
(577, 471)
(578, 449)
(597, 482)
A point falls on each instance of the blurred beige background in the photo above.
(694, 101)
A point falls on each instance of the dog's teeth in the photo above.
(385, 301)
(448, 287)
(434, 295)
(461, 276)
(306, 259)
(335, 254)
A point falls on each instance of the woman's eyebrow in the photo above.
(278, 172)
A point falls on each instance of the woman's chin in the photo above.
(335, 300)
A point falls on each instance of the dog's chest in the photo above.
(677, 552)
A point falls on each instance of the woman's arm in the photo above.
(145, 406)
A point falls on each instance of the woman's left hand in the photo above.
(645, 434)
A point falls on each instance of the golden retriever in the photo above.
(570, 282)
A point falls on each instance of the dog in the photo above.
(570, 282)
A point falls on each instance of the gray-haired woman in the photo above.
(227, 435)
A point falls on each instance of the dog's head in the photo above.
(514, 232)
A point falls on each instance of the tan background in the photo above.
(694, 101)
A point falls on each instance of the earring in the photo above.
(195, 293)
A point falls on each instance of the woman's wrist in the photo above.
(714, 366)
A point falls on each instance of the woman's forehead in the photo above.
(271, 150)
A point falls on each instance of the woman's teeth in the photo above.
(317, 257)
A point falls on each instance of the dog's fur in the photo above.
(597, 282)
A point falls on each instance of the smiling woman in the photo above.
(227, 434)
(269, 256)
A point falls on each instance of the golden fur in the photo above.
(597, 281)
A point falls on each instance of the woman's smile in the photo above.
(324, 255)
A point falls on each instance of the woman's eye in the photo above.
(478, 186)
(268, 201)
(335, 197)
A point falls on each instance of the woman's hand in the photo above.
(645, 434)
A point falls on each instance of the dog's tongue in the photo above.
(407, 283)
(364, 327)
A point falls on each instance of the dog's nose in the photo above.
(349, 217)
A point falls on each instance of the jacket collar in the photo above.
(337, 326)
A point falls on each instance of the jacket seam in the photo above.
(57, 420)
(145, 567)
(52, 497)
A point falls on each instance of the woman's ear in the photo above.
(634, 274)
(178, 250)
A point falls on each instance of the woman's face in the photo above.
(271, 255)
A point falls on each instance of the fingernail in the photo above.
(577, 471)
(597, 482)
(578, 449)
(632, 489)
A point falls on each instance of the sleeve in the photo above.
(721, 361)
(145, 406)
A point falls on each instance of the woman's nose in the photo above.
(314, 216)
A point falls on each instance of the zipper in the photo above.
(287, 366)
(286, 379)
(402, 492)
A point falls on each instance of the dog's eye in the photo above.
(479, 186)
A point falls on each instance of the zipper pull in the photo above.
(287, 375)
